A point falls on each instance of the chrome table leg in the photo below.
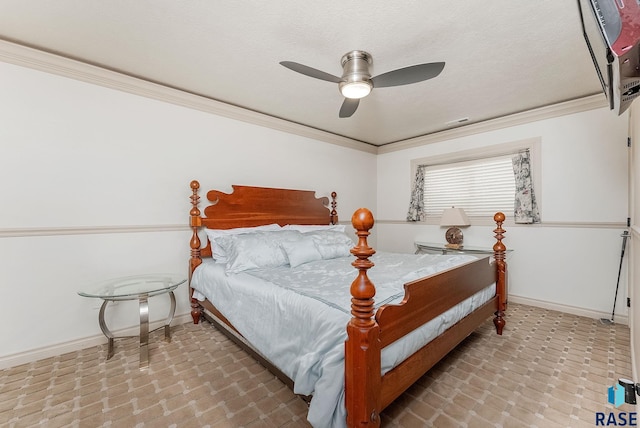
(105, 330)
(144, 331)
(143, 301)
(172, 311)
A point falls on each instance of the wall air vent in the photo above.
(457, 121)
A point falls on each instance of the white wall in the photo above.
(78, 158)
(571, 261)
(95, 183)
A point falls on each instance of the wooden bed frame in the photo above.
(367, 393)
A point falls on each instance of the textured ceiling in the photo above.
(502, 57)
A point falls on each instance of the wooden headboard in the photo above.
(249, 206)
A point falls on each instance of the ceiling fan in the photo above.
(356, 81)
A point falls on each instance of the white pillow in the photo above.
(256, 250)
(213, 234)
(331, 244)
(301, 251)
(304, 228)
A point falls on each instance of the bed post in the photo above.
(194, 222)
(499, 251)
(334, 213)
(362, 348)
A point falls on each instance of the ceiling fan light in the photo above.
(355, 90)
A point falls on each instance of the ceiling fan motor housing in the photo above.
(355, 66)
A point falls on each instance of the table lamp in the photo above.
(453, 218)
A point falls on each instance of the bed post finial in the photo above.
(334, 213)
(499, 251)
(362, 289)
(195, 221)
(362, 348)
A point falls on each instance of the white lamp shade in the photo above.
(454, 217)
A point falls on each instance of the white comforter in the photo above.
(300, 323)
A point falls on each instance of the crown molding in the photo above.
(24, 56)
(568, 107)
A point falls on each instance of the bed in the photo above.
(346, 345)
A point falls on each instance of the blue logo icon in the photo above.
(616, 395)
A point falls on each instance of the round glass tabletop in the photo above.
(131, 287)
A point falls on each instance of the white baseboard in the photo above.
(589, 313)
(76, 345)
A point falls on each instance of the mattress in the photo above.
(297, 317)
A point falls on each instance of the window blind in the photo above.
(481, 187)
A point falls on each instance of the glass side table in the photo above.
(138, 287)
(434, 248)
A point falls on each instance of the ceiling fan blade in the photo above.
(349, 106)
(407, 75)
(310, 71)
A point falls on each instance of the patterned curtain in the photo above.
(525, 207)
(416, 206)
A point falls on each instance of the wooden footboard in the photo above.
(367, 393)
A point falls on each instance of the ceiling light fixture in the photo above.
(355, 90)
(356, 80)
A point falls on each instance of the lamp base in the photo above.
(453, 246)
(453, 236)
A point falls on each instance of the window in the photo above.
(481, 181)
(481, 186)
